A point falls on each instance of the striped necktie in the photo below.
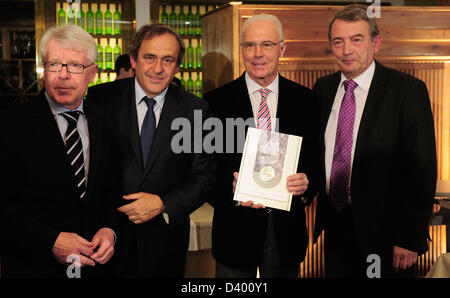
(74, 149)
(264, 121)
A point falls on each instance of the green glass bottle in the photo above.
(183, 61)
(164, 18)
(116, 53)
(117, 19)
(181, 22)
(190, 56)
(109, 63)
(108, 79)
(61, 17)
(173, 19)
(190, 21)
(90, 21)
(198, 54)
(99, 80)
(100, 56)
(108, 21)
(98, 21)
(71, 16)
(198, 28)
(80, 18)
(183, 82)
(190, 84)
(198, 86)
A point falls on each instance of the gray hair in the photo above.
(263, 16)
(70, 37)
(353, 13)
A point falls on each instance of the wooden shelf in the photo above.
(191, 36)
(106, 36)
(190, 70)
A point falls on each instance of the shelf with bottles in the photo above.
(98, 19)
(185, 19)
(191, 82)
(17, 43)
(108, 49)
(18, 78)
(192, 61)
(103, 77)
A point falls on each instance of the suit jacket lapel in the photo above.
(172, 109)
(325, 110)
(280, 104)
(49, 135)
(241, 100)
(328, 98)
(377, 91)
(127, 114)
(95, 127)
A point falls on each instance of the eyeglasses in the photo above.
(265, 45)
(76, 68)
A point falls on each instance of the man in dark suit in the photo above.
(57, 182)
(378, 157)
(247, 236)
(161, 187)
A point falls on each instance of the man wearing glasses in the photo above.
(249, 236)
(57, 185)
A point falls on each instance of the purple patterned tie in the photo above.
(340, 169)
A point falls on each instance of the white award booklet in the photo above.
(268, 159)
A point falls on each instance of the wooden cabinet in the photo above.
(18, 78)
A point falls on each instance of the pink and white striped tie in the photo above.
(264, 121)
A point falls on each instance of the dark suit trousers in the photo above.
(269, 267)
(343, 256)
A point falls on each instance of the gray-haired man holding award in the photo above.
(248, 236)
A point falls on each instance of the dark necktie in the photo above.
(74, 150)
(340, 169)
(148, 129)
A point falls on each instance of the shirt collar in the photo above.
(364, 79)
(252, 86)
(58, 109)
(140, 93)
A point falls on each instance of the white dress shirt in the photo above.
(255, 99)
(363, 80)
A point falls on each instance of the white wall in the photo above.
(142, 13)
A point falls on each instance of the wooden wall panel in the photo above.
(313, 266)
